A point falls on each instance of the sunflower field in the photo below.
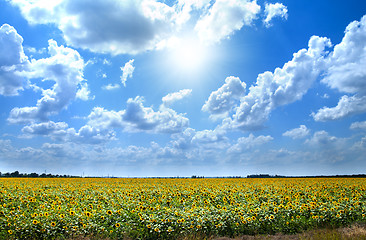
(149, 208)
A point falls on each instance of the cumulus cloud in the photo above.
(250, 142)
(105, 26)
(346, 72)
(297, 133)
(273, 10)
(64, 67)
(127, 71)
(358, 126)
(284, 86)
(209, 136)
(135, 26)
(170, 98)
(224, 18)
(323, 140)
(347, 106)
(221, 101)
(183, 140)
(342, 69)
(91, 135)
(83, 92)
(185, 7)
(145, 118)
(60, 131)
(46, 128)
(13, 61)
(345, 66)
(137, 117)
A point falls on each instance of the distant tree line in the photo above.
(34, 175)
(16, 174)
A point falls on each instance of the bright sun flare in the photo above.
(188, 55)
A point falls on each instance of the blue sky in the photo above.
(181, 88)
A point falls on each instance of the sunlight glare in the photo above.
(188, 54)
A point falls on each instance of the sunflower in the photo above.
(72, 213)
(109, 212)
(53, 224)
(35, 222)
(117, 225)
(10, 231)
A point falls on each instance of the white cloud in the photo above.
(64, 67)
(104, 26)
(127, 71)
(33, 50)
(185, 7)
(347, 106)
(274, 10)
(286, 85)
(110, 87)
(60, 131)
(358, 126)
(106, 62)
(84, 93)
(221, 101)
(250, 142)
(346, 70)
(183, 140)
(12, 61)
(325, 96)
(209, 136)
(142, 25)
(145, 118)
(6, 146)
(297, 133)
(137, 117)
(323, 140)
(224, 18)
(170, 98)
(91, 135)
(46, 128)
(101, 118)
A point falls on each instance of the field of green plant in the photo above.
(171, 208)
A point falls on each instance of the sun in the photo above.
(187, 54)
